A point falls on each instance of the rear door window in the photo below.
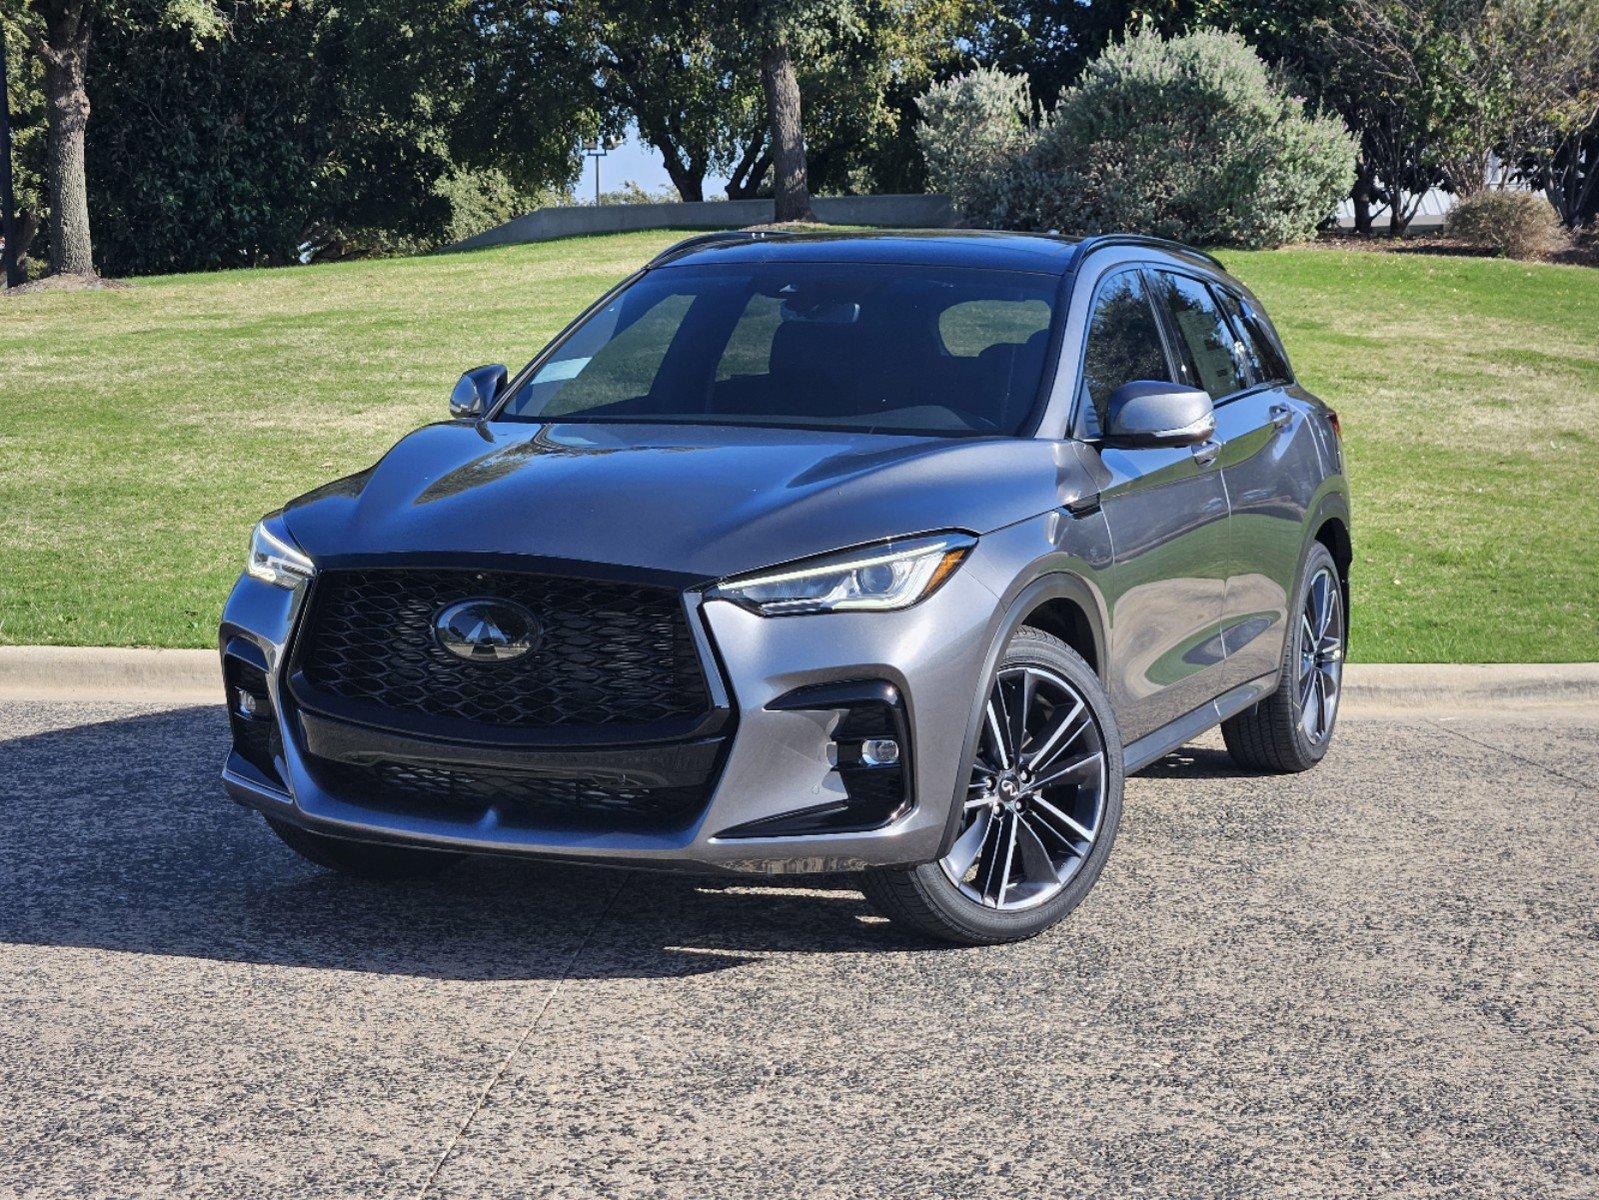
(1216, 360)
(1123, 345)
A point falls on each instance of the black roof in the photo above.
(1044, 253)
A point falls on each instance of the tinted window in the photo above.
(973, 326)
(1216, 361)
(1258, 338)
(908, 349)
(749, 349)
(1123, 345)
(622, 365)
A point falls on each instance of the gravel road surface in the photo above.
(1377, 979)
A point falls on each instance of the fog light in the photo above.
(246, 704)
(880, 752)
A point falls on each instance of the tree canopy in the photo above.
(208, 133)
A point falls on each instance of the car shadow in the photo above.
(117, 836)
(1195, 762)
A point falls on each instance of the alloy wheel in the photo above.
(1037, 793)
(1321, 656)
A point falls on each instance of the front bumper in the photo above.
(779, 759)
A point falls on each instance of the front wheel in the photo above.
(1039, 811)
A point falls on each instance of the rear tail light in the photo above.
(1338, 427)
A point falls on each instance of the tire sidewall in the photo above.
(1316, 558)
(1032, 647)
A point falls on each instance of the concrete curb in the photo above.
(109, 673)
(94, 673)
(1466, 685)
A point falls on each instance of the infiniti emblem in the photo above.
(486, 631)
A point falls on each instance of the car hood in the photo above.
(696, 501)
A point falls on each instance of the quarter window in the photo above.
(1258, 340)
(1217, 361)
(1123, 345)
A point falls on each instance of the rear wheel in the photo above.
(1291, 729)
(1039, 811)
(363, 860)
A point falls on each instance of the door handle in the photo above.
(1281, 414)
(1205, 453)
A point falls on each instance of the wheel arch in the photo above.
(1334, 534)
(1065, 616)
(1330, 526)
(1060, 599)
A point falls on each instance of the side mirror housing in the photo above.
(477, 390)
(1149, 412)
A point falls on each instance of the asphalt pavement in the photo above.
(1377, 979)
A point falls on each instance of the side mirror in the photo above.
(476, 390)
(1148, 412)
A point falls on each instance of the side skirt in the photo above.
(1189, 726)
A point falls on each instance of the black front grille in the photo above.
(610, 654)
(469, 793)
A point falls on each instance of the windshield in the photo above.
(854, 346)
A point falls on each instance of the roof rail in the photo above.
(702, 240)
(1098, 242)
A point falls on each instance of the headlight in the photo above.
(274, 559)
(890, 575)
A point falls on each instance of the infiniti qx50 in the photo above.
(881, 553)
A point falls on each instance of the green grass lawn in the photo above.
(1469, 393)
(144, 430)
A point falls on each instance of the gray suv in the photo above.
(886, 554)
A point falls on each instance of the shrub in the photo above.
(971, 131)
(1188, 138)
(483, 198)
(1515, 224)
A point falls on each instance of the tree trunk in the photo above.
(1393, 171)
(685, 170)
(690, 187)
(67, 106)
(688, 178)
(745, 179)
(792, 190)
(1361, 196)
(1583, 208)
(27, 227)
(10, 260)
(1398, 218)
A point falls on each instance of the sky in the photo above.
(638, 162)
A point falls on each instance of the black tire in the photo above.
(1270, 736)
(925, 898)
(363, 860)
